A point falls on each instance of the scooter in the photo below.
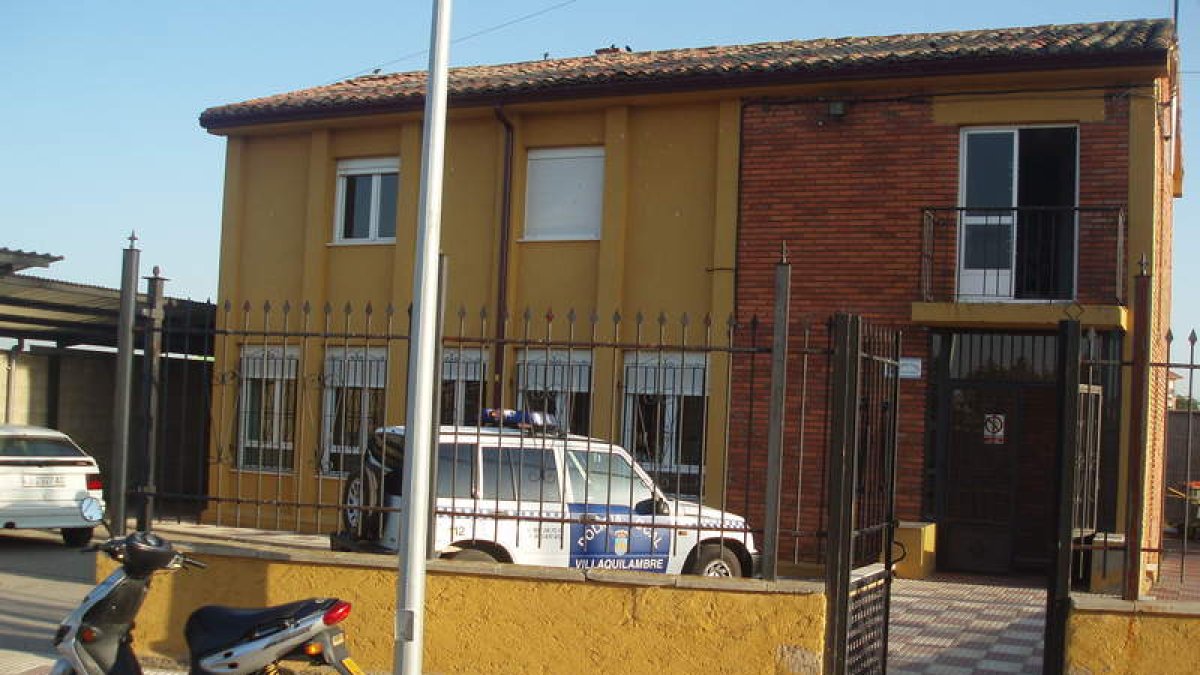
(96, 638)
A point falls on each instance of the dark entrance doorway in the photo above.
(996, 448)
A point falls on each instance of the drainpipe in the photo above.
(502, 268)
(10, 386)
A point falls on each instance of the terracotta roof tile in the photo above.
(709, 67)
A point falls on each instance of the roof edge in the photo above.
(214, 122)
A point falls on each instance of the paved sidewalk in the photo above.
(962, 624)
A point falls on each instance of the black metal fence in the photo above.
(271, 417)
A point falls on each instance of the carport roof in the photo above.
(68, 313)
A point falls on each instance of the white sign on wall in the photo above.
(993, 429)
(910, 368)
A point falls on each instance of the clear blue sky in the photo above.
(98, 121)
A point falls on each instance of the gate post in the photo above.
(841, 468)
(123, 388)
(1058, 596)
(152, 378)
(779, 354)
(1135, 487)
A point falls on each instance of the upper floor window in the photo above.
(564, 193)
(366, 199)
(1018, 191)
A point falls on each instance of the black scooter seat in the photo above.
(213, 628)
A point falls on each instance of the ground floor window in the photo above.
(557, 382)
(355, 382)
(464, 373)
(666, 403)
(267, 409)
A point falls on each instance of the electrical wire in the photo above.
(483, 31)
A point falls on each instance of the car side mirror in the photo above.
(656, 506)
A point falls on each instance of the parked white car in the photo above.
(44, 478)
(540, 498)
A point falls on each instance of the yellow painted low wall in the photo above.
(490, 618)
(1115, 636)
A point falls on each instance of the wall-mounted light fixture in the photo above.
(837, 108)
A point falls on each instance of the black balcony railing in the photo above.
(972, 254)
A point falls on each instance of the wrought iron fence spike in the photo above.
(549, 314)
(616, 317)
(369, 310)
(306, 307)
(390, 311)
(483, 312)
(246, 306)
(348, 309)
(571, 315)
(287, 307)
(228, 305)
(328, 307)
(1192, 337)
(662, 318)
(639, 318)
(684, 320)
(266, 306)
(462, 312)
(527, 315)
(1170, 336)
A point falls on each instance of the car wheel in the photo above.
(362, 489)
(474, 555)
(715, 560)
(76, 537)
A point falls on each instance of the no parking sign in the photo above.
(993, 429)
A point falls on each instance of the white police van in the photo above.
(530, 496)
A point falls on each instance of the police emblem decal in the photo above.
(621, 542)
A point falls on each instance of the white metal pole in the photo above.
(410, 586)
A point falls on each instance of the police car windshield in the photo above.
(604, 478)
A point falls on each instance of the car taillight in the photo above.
(94, 482)
(337, 613)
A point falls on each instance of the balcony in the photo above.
(1024, 254)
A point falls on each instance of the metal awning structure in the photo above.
(69, 314)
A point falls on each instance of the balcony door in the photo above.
(1017, 228)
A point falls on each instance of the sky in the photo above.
(98, 125)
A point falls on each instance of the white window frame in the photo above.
(671, 375)
(276, 366)
(555, 213)
(461, 366)
(562, 372)
(1010, 280)
(361, 368)
(375, 167)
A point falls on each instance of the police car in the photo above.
(519, 492)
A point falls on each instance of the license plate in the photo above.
(349, 664)
(44, 481)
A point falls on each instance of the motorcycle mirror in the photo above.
(91, 509)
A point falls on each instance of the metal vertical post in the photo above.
(435, 427)
(410, 591)
(1136, 469)
(152, 368)
(840, 470)
(123, 386)
(779, 354)
(1058, 598)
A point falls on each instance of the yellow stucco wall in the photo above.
(1111, 636)
(486, 619)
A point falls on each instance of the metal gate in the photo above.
(861, 487)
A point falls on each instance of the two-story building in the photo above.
(971, 188)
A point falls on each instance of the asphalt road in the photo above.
(41, 581)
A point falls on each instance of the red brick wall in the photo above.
(845, 195)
